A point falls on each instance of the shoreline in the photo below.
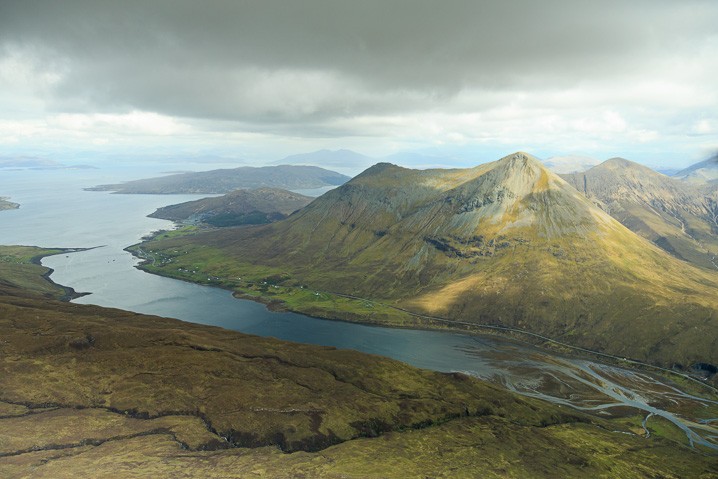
(70, 292)
(429, 323)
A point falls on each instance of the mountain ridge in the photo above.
(675, 215)
(506, 243)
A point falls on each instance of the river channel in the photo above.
(56, 212)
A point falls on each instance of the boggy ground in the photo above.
(97, 392)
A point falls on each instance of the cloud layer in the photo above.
(549, 75)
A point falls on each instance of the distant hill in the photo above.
(258, 206)
(34, 163)
(226, 180)
(705, 171)
(7, 205)
(506, 243)
(675, 215)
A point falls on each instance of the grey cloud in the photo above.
(271, 63)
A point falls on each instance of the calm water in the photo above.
(55, 212)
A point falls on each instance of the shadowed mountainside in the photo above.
(506, 243)
(258, 206)
(97, 392)
(678, 216)
(226, 180)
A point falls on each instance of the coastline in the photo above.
(70, 292)
(417, 321)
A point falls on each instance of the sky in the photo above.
(257, 81)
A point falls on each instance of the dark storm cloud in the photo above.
(292, 62)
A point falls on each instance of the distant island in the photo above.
(33, 163)
(7, 205)
(222, 181)
(240, 207)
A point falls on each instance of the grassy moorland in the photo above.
(97, 392)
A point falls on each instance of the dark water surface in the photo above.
(56, 212)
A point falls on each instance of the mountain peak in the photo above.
(521, 157)
(618, 162)
(379, 168)
(523, 173)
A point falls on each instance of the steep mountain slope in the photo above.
(705, 171)
(677, 216)
(224, 181)
(259, 206)
(506, 243)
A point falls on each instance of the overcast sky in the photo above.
(266, 79)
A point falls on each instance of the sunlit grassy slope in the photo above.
(505, 243)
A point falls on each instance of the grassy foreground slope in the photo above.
(94, 392)
(506, 243)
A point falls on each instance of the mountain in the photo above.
(226, 180)
(570, 163)
(5, 204)
(705, 171)
(240, 207)
(505, 243)
(675, 215)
